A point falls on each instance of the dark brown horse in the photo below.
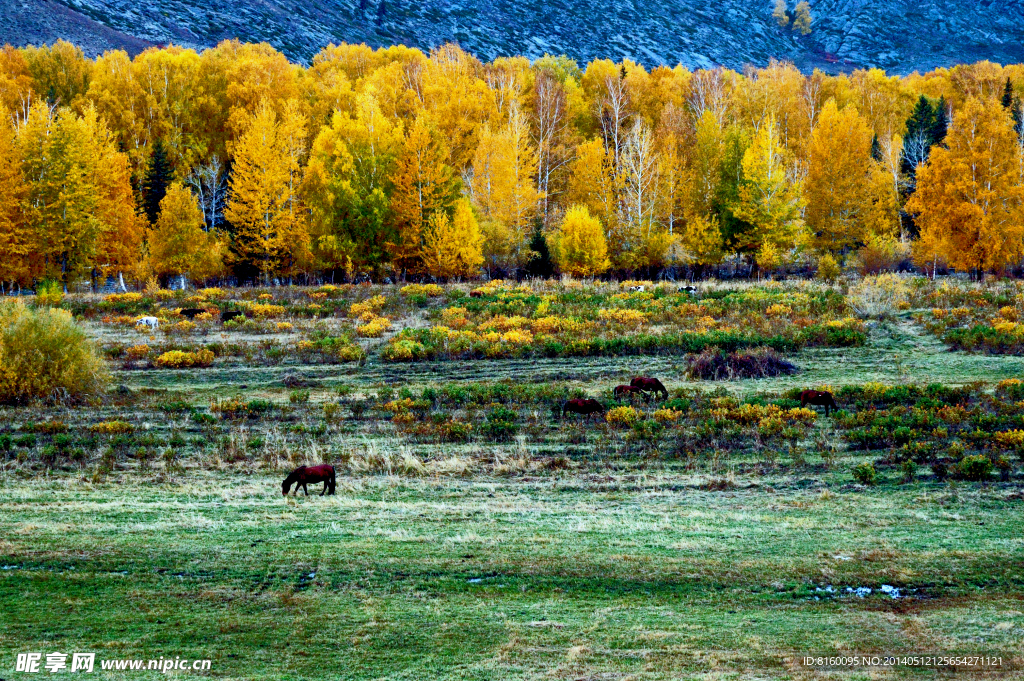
(818, 398)
(648, 384)
(309, 475)
(629, 391)
(587, 407)
(191, 312)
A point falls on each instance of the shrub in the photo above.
(429, 290)
(264, 310)
(622, 416)
(45, 354)
(864, 473)
(49, 293)
(298, 396)
(878, 296)
(714, 364)
(404, 351)
(375, 328)
(48, 427)
(828, 269)
(372, 305)
(136, 353)
(176, 359)
(667, 415)
(454, 431)
(123, 298)
(975, 467)
(236, 408)
(501, 423)
(112, 427)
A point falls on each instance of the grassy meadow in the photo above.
(720, 534)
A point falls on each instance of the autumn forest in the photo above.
(235, 162)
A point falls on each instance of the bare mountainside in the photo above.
(899, 36)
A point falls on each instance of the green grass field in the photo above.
(500, 560)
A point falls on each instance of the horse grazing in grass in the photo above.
(309, 475)
(649, 384)
(629, 391)
(818, 398)
(587, 407)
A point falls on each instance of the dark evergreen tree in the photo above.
(540, 265)
(941, 125)
(1007, 100)
(154, 185)
(1018, 116)
(922, 117)
(876, 148)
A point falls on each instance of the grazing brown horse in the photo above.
(630, 391)
(587, 407)
(649, 384)
(309, 475)
(476, 294)
(818, 398)
(191, 312)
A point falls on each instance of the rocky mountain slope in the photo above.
(898, 35)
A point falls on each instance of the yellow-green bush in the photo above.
(429, 290)
(622, 416)
(112, 427)
(176, 359)
(375, 328)
(43, 354)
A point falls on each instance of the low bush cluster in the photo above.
(569, 320)
(715, 365)
(176, 359)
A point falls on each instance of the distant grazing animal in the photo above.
(192, 312)
(636, 289)
(689, 290)
(587, 407)
(476, 294)
(818, 398)
(228, 315)
(309, 475)
(650, 385)
(629, 391)
(152, 322)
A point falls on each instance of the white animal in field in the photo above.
(636, 289)
(152, 322)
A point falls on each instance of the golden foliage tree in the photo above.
(270, 228)
(503, 187)
(969, 200)
(178, 244)
(579, 244)
(348, 184)
(423, 185)
(837, 184)
(768, 199)
(779, 13)
(453, 247)
(78, 203)
(15, 238)
(802, 17)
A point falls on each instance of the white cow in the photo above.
(152, 322)
(636, 289)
